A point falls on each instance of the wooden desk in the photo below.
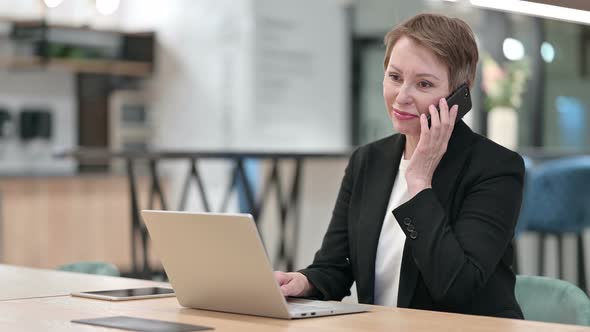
(55, 313)
(21, 282)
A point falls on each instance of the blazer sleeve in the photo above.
(331, 271)
(456, 258)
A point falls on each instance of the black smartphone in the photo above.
(461, 97)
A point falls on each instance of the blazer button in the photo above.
(410, 227)
(407, 221)
(413, 235)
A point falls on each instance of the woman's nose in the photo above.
(404, 95)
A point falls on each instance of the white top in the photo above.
(391, 244)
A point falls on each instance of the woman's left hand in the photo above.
(431, 146)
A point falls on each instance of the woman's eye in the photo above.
(425, 84)
(394, 77)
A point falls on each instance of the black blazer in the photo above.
(458, 251)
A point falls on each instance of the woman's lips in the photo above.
(403, 115)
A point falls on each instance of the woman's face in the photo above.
(413, 80)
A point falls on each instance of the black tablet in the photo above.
(141, 324)
(128, 293)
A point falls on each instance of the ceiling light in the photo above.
(52, 3)
(536, 9)
(107, 7)
(513, 49)
(547, 52)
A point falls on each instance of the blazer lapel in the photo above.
(382, 166)
(443, 182)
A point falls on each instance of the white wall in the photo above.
(376, 17)
(36, 88)
(54, 92)
(216, 61)
(23, 9)
(301, 77)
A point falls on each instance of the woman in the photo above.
(424, 219)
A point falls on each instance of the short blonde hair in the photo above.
(450, 39)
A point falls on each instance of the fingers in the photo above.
(435, 123)
(287, 290)
(453, 115)
(424, 130)
(281, 277)
(289, 284)
(449, 117)
(435, 114)
(444, 112)
(441, 128)
(446, 119)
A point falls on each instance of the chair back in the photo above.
(99, 268)
(552, 300)
(557, 198)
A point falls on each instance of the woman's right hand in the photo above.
(293, 283)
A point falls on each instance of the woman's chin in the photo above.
(406, 129)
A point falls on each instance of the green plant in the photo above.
(503, 85)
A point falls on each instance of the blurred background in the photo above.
(111, 106)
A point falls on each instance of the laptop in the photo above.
(217, 262)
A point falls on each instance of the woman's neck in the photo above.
(411, 143)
